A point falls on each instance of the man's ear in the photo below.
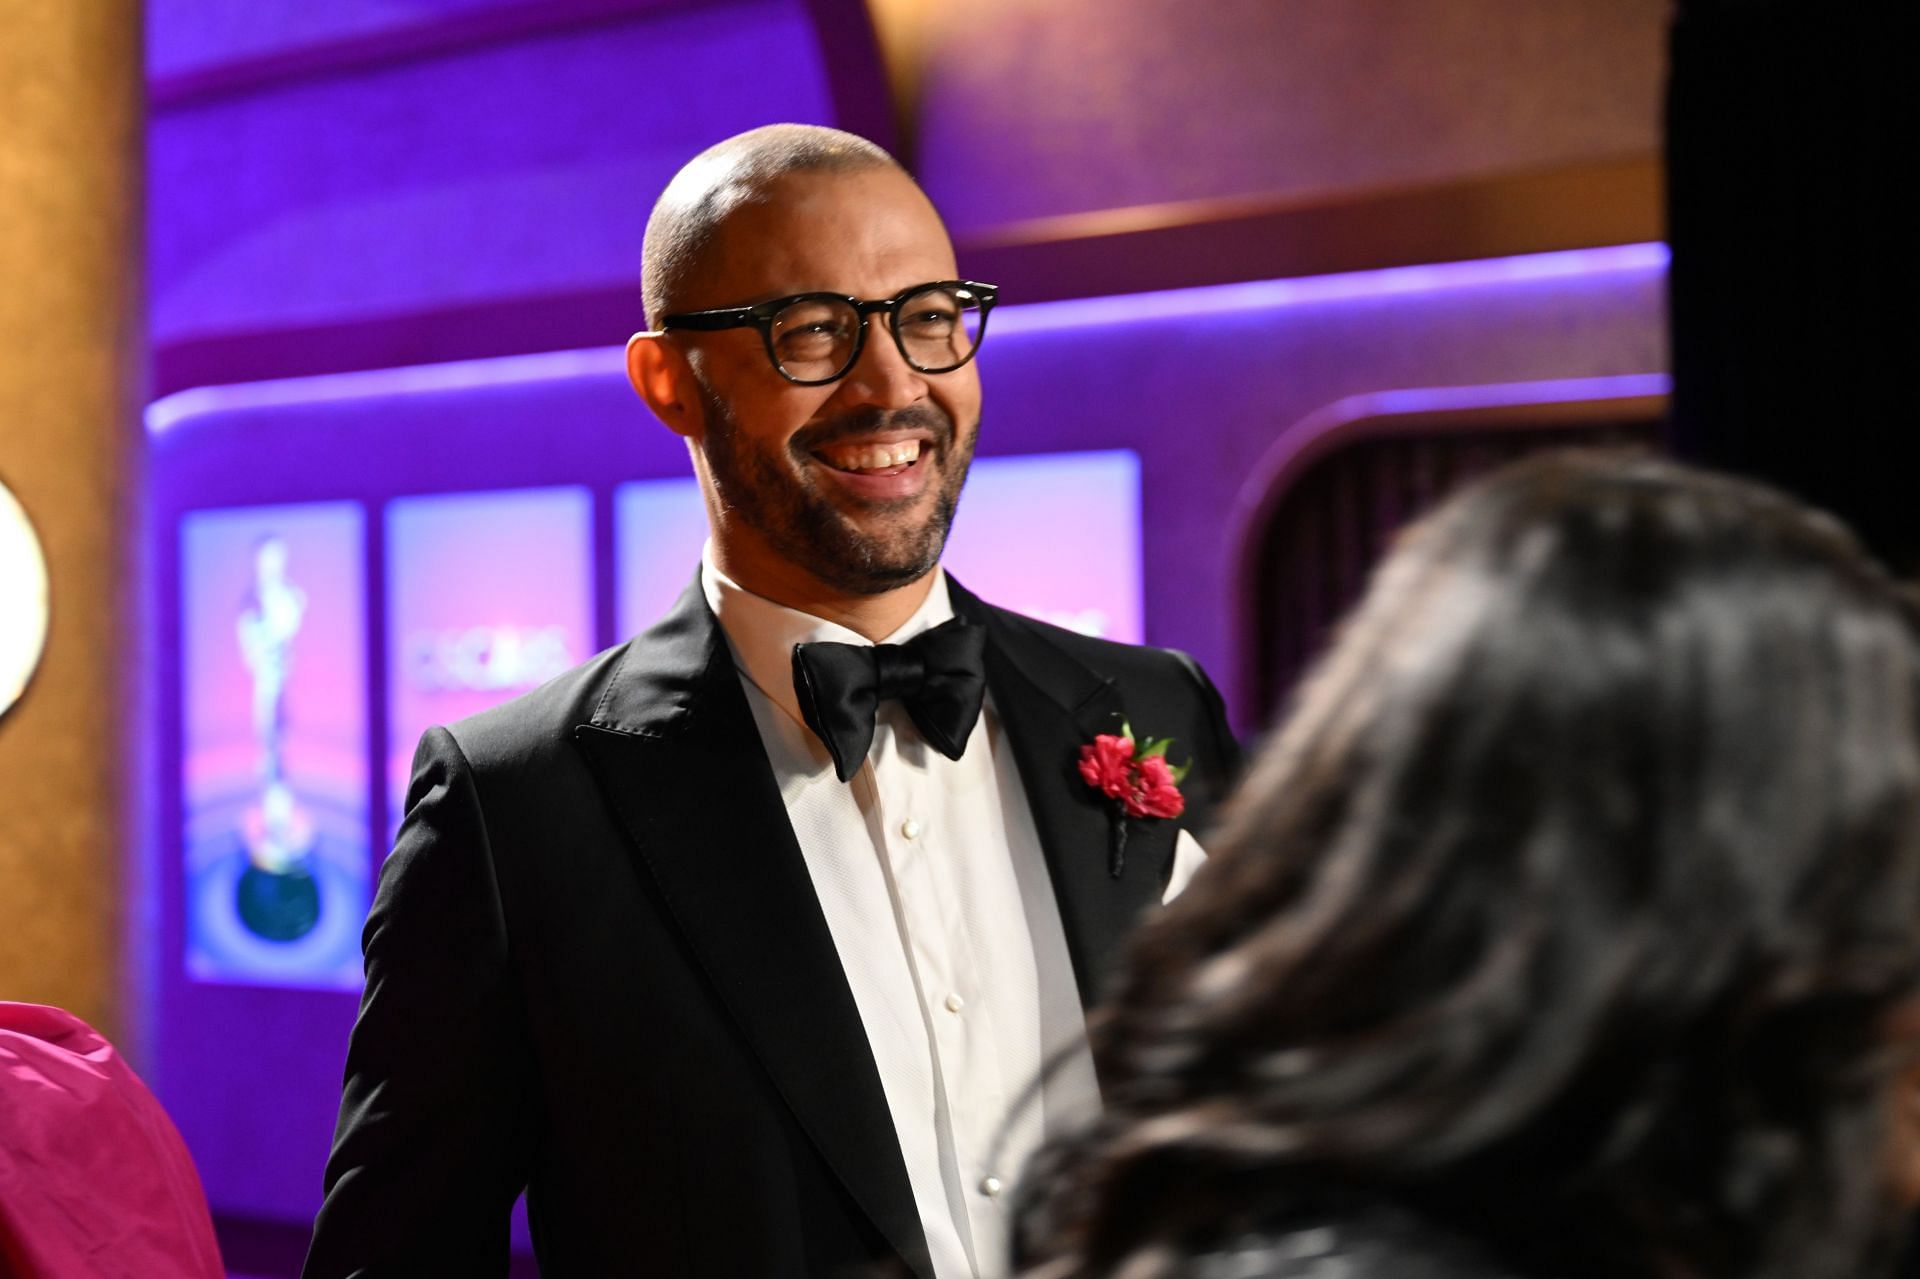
(660, 374)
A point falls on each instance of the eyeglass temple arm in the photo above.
(709, 321)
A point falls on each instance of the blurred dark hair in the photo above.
(1567, 910)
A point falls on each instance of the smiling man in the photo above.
(760, 944)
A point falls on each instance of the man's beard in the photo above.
(806, 528)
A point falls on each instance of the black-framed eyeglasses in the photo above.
(814, 338)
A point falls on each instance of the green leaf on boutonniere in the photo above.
(1158, 746)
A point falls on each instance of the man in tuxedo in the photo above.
(759, 945)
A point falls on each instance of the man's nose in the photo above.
(881, 376)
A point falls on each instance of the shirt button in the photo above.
(910, 829)
(955, 1003)
(990, 1187)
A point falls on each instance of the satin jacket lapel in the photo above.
(1050, 706)
(675, 747)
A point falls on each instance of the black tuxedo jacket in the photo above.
(597, 970)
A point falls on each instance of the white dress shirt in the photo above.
(935, 889)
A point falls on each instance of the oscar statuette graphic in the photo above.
(277, 896)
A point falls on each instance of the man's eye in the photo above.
(812, 341)
(825, 333)
(811, 317)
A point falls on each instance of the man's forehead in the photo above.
(837, 231)
(869, 203)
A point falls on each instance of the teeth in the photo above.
(873, 457)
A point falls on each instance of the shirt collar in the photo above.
(762, 633)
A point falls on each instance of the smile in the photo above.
(872, 459)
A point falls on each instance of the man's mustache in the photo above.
(862, 423)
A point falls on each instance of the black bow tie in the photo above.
(937, 675)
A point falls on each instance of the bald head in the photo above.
(742, 170)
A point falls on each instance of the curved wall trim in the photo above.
(536, 368)
(483, 330)
(1517, 406)
(1180, 245)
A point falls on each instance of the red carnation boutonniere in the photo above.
(1139, 780)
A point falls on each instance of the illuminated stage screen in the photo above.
(274, 757)
(1055, 537)
(488, 595)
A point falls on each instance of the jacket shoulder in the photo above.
(1165, 693)
(541, 719)
(1105, 656)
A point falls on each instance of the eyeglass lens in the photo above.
(937, 329)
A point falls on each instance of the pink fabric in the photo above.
(95, 1182)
